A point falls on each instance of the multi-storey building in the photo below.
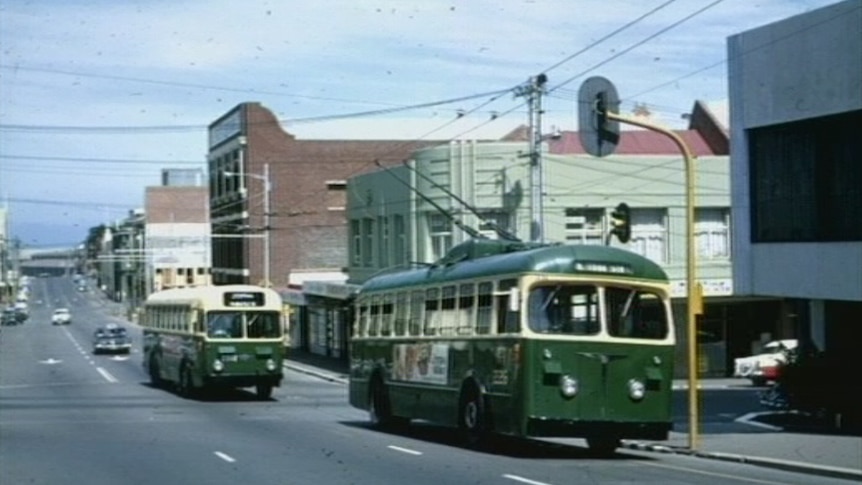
(277, 203)
(796, 156)
(177, 237)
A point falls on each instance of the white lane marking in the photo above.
(523, 480)
(710, 474)
(404, 450)
(107, 375)
(751, 420)
(224, 456)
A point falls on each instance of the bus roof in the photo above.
(211, 295)
(478, 259)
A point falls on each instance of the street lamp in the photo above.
(267, 194)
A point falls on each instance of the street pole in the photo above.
(267, 217)
(533, 91)
(694, 304)
(266, 214)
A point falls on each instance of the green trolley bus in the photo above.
(210, 337)
(519, 339)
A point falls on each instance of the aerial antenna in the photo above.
(502, 233)
(469, 230)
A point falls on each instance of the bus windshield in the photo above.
(240, 324)
(574, 310)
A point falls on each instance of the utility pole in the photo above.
(533, 91)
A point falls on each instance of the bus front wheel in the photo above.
(473, 420)
(603, 445)
(264, 391)
(155, 375)
(380, 409)
(186, 385)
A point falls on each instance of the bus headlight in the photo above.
(637, 390)
(218, 365)
(568, 386)
(270, 365)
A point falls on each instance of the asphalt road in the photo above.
(69, 417)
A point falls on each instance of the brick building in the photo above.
(255, 165)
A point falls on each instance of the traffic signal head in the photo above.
(621, 222)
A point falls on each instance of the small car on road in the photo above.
(61, 316)
(113, 339)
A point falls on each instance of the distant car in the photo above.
(765, 366)
(61, 316)
(9, 316)
(113, 339)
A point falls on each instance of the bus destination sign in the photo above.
(244, 299)
(602, 267)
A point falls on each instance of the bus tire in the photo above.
(380, 408)
(603, 445)
(263, 391)
(473, 416)
(155, 373)
(185, 384)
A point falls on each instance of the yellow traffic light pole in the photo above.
(694, 291)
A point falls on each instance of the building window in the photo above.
(383, 245)
(440, 231)
(368, 247)
(356, 246)
(585, 226)
(712, 233)
(806, 180)
(399, 240)
(649, 234)
(336, 191)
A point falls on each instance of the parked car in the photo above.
(765, 366)
(9, 316)
(112, 338)
(61, 316)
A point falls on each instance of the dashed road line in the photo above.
(404, 450)
(224, 456)
(523, 480)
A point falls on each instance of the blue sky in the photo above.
(96, 97)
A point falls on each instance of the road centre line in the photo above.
(404, 450)
(224, 456)
(523, 480)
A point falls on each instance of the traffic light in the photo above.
(621, 222)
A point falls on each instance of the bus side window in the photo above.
(448, 319)
(401, 311)
(432, 311)
(417, 307)
(484, 308)
(466, 305)
(507, 320)
(386, 315)
(374, 316)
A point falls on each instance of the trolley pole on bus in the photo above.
(599, 129)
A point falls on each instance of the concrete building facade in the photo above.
(796, 165)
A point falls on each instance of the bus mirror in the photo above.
(514, 299)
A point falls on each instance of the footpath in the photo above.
(779, 440)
